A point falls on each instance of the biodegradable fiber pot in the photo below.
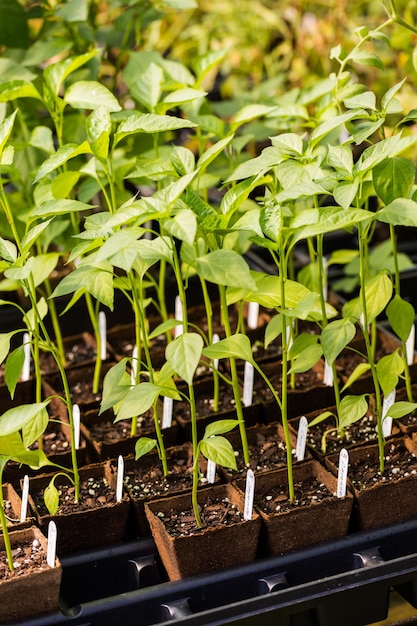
(83, 526)
(25, 595)
(378, 500)
(209, 548)
(301, 525)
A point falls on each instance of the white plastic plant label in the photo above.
(249, 495)
(410, 345)
(167, 412)
(134, 370)
(248, 384)
(211, 471)
(102, 329)
(328, 374)
(76, 418)
(179, 330)
(387, 421)
(216, 338)
(25, 375)
(119, 482)
(52, 538)
(301, 438)
(25, 494)
(325, 282)
(342, 473)
(253, 315)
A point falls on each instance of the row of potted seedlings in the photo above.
(156, 386)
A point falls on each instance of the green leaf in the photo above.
(220, 451)
(183, 226)
(400, 409)
(61, 156)
(273, 329)
(328, 126)
(321, 418)
(6, 128)
(138, 400)
(400, 212)
(378, 292)
(99, 127)
(184, 353)
(237, 346)
(96, 281)
(143, 446)
(363, 57)
(8, 250)
(14, 89)
(359, 370)
(335, 337)
(5, 344)
(225, 267)
(116, 385)
(212, 152)
(35, 428)
(388, 369)
(393, 178)
(301, 343)
(150, 123)
(56, 73)
(17, 417)
(51, 498)
(73, 11)
(307, 359)
(147, 88)
(366, 100)
(13, 368)
(340, 158)
(352, 409)
(401, 316)
(88, 94)
(220, 427)
(163, 328)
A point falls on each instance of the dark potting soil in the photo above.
(268, 452)
(11, 516)
(205, 403)
(109, 432)
(217, 512)
(75, 354)
(304, 380)
(307, 493)
(94, 493)
(27, 558)
(148, 482)
(54, 440)
(399, 463)
(363, 431)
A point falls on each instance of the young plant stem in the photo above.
(196, 454)
(235, 379)
(369, 351)
(209, 312)
(5, 530)
(93, 314)
(397, 288)
(320, 257)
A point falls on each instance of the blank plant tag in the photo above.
(325, 288)
(328, 374)
(25, 493)
(216, 338)
(410, 345)
(179, 330)
(387, 421)
(253, 315)
(301, 438)
(288, 335)
(211, 471)
(248, 384)
(120, 473)
(76, 418)
(342, 473)
(167, 412)
(102, 329)
(134, 370)
(25, 375)
(52, 537)
(249, 494)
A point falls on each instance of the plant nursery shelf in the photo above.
(344, 582)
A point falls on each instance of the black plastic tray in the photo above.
(345, 582)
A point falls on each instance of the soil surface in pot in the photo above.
(304, 380)
(28, 558)
(205, 403)
(94, 493)
(148, 482)
(399, 463)
(216, 512)
(363, 431)
(109, 432)
(77, 352)
(307, 493)
(266, 453)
